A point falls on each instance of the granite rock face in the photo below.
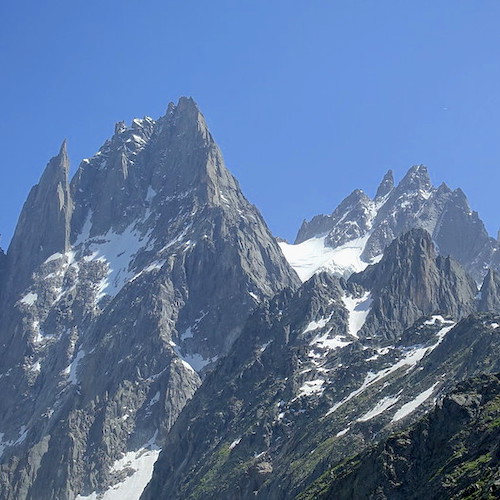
(3, 265)
(121, 289)
(386, 186)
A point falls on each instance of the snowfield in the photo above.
(312, 256)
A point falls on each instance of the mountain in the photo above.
(453, 452)
(322, 372)
(359, 229)
(155, 342)
(121, 289)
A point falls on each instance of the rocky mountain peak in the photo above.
(188, 120)
(443, 188)
(386, 185)
(172, 158)
(150, 307)
(416, 179)
(411, 254)
(130, 284)
(410, 282)
(120, 127)
(44, 224)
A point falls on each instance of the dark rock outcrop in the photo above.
(451, 453)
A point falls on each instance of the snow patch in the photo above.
(311, 387)
(411, 357)
(383, 405)
(71, 369)
(411, 406)
(54, 256)
(154, 266)
(29, 299)
(316, 325)
(22, 435)
(343, 432)
(235, 443)
(263, 347)
(141, 462)
(435, 319)
(36, 367)
(187, 334)
(117, 250)
(154, 399)
(358, 309)
(330, 343)
(187, 365)
(193, 362)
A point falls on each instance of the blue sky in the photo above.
(307, 99)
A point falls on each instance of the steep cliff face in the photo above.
(155, 261)
(451, 453)
(3, 264)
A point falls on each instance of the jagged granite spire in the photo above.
(386, 185)
(317, 226)
(44, 224)
(355, 214)
(489, 298)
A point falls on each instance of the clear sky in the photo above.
(307, 99)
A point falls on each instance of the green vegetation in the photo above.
(212, 479)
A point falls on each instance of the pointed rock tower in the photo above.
(489, 298)
(44, 224)
(386, 186)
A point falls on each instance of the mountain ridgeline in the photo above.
(456, 230)
(157, 342)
